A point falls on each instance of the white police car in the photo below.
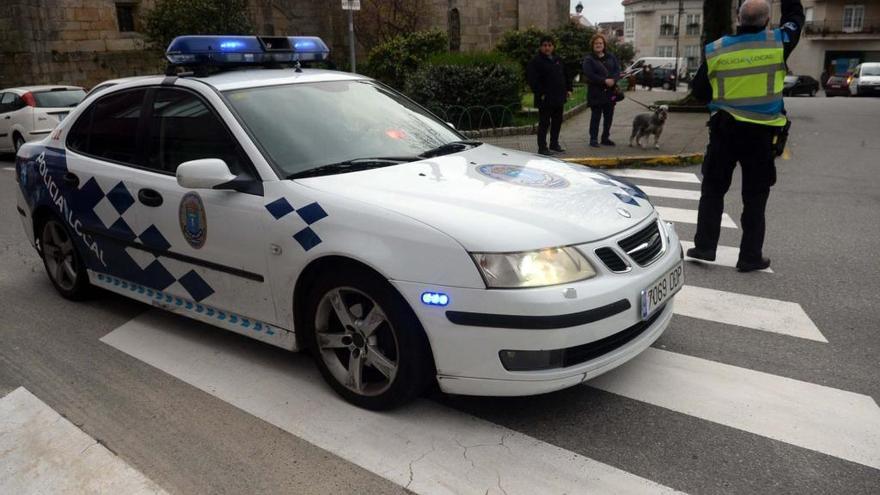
(322, 210)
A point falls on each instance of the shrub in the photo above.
(573, 44)
(395, 60)
(471, 90)
(520, 46)
(171, 18)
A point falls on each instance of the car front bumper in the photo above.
(467, 352)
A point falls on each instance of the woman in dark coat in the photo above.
(602, 72)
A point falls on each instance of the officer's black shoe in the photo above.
(594, 144)
(701, 254)
(608, 142)
(557, 148)
(751, 266)
(545, 152)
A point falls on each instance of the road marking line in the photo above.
(664, 192)
(425, 447)
(757, 313)
(827, 420)
(724, 256)
(683, 215)
(45, 453)
(10, 169)
(656, 175)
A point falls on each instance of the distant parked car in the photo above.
(800, 85)
(865, 80)
(837, 86)
(29, 113)
(662, 78)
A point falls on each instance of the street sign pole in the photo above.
(351, 6)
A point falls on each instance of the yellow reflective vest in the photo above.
(747, 74)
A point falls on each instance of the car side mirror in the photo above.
(208, 173)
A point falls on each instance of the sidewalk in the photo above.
(684, 133)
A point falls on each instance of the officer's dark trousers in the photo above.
(606, 113)
(549, 117)
(752, 146)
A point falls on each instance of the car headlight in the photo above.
(550, 266)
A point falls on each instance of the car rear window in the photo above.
(59, 98)
(835, 80)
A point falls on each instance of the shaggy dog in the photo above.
(647, 124)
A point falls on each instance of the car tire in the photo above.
(62, 260)
(366, 340)
(17, 142)
(812, 92)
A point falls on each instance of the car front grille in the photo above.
(644, 246)
(612, 260)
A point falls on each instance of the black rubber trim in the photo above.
(21, 212)
(538, 322)
(4, 135)
(256, 277)
(38, 133)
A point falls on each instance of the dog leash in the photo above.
(651, 107)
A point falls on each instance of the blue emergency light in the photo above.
(243, 50)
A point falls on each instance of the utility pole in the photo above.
(677, 40)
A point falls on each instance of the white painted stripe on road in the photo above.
(637, 173)
(757, 313)
(834, 422)
(45, 453)
(425, 447)
(683, 215)
(10, 169)
(724, 256)
(665, 192)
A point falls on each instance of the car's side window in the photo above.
(6, 102)
(183, 128)
(108, 128)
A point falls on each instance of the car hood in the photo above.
(493, 199)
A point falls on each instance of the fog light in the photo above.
(531, 360)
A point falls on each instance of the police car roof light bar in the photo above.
(218, 52)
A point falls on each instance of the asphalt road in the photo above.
(823, 235)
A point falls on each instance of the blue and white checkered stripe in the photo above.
(310, 214)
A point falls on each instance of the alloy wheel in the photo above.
(59, 255)
(357, 341)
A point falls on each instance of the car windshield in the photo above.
(790, 79)
(304, 126)
(59, 98)
(871, 70)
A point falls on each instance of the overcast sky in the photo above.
(601, 10)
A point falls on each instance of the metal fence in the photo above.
(869, 25)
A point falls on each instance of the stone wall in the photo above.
(69, 42)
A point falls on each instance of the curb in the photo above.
(649, 161)
(521, 130)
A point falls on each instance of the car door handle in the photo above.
(7, 117)
(150, 197)
(71, 179)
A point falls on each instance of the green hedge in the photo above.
(395, 60)
(470, 90)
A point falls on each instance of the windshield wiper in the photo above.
(352, 165)
(453, 147)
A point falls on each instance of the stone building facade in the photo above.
(83, 42)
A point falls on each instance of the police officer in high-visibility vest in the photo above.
(742, 80)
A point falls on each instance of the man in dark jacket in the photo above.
(546, 76)
(745, 125)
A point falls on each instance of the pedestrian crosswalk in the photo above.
(432, 448)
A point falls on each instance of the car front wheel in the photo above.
(63, 263)
(366, 340)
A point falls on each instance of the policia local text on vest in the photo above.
(742, 81)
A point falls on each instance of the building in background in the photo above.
(651, 26)
(83, 42)
(611, 30)
(838, 35)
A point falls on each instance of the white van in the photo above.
(660, 62)
(865, 80)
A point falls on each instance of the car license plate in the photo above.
(656, 294)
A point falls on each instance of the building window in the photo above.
(808, 13)
(454, 30)
(853, 18)
(629, 26)
(667, 25)
(692, 52)
(665, 51)
(125, 17)
(693, 24)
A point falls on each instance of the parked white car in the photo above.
(30, 113)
